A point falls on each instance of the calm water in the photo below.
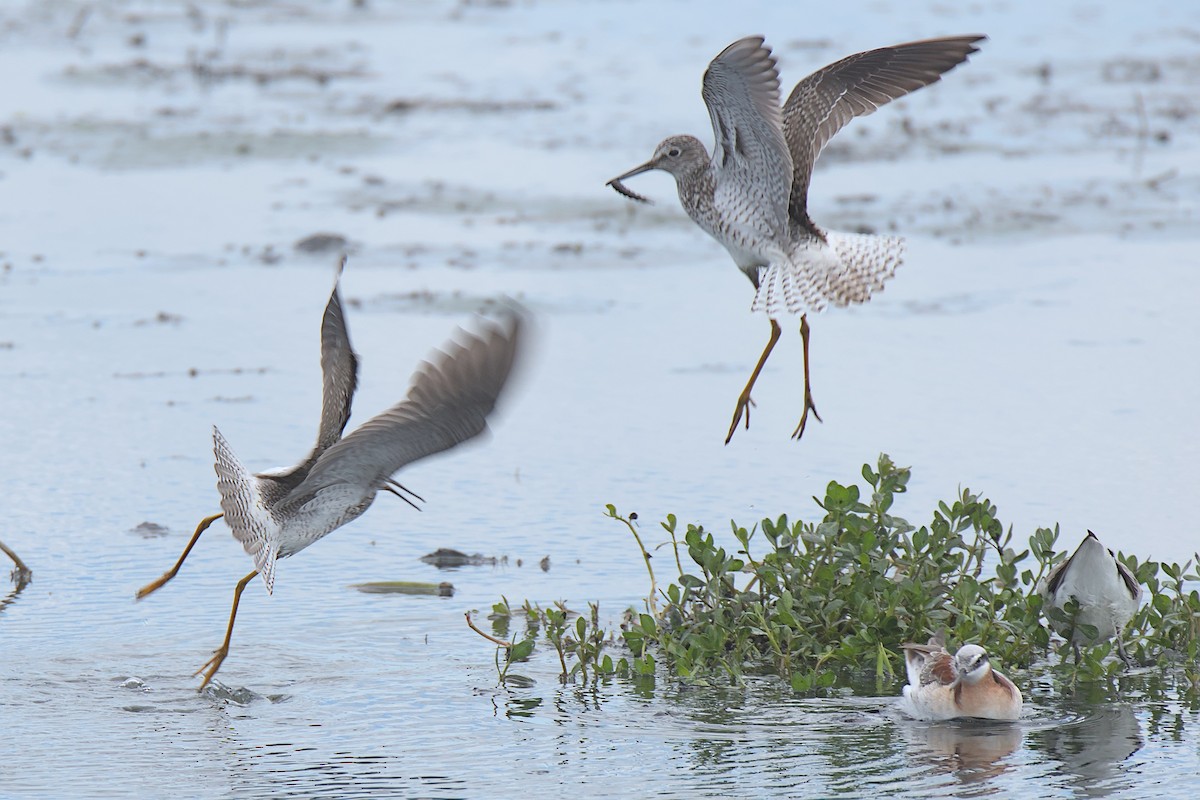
(157, 169)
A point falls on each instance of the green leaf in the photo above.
(520, 651)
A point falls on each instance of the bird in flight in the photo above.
(278, 513)
(751, 193)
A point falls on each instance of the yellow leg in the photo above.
(744, 402)
(155, 585)
(808, 401)
(213, 664)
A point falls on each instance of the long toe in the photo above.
(210, 667)
(743, 407)
(153, 586)
(808, 408)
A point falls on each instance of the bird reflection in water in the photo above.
(971, 750)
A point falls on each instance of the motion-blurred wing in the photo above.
(821, 104)
(339, 371)
(449, 401)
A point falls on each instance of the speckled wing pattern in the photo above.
(448, 403)
(821, 104)
(750, 157)
(246, 510)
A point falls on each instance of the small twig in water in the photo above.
(21, 571)
(488, 636)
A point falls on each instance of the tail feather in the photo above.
(843, 269)
(869, 261)
(245, 511)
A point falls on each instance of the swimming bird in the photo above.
(1106, 592)
(751, 194)
(941, 686)
(278, 513)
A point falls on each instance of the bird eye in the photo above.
(674, 152)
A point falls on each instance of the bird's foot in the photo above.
(1123, 655)
(808, 406)
(743, 407)
(154, 585)
(211, 666)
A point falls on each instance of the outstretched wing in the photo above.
(750, 154)
(339, 379)
(339, 372)
(821, 104)
(449, 401)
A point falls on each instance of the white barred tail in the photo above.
(245, 511)
(844, 269)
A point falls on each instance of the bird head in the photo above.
(678, 155)
(971, 663)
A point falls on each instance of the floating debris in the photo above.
(444, 557)
(443, 589)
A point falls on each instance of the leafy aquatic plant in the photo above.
(831, 601)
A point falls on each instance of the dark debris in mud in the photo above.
(473, 106)
(323, 244)
(192, 372)
(161, 318)
(447, 558)
(143, 70)
(150, 530)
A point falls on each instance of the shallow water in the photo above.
(158, 169)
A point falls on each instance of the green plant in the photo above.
(829, 602)
(579, 644)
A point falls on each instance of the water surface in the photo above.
(159, 167)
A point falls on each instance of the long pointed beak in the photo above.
(620, 188)
(649, 165)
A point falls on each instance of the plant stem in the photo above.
(652, 599)
(488, 636)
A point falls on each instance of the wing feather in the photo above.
(339, 379)
(449, 401)
(750, 153)
(824, 102)
(339, 372)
